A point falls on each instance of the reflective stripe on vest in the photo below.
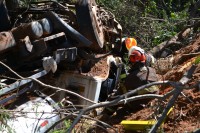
(122, 76)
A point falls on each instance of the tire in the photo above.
(89, 24)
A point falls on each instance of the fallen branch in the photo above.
(87, 117)
(123, 98)
(186, 77)
(175, 40)
(126, 97)
(45, 85)
(191, 54)
(114, 102)
(185, 57)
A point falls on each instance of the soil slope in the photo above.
(185, 117)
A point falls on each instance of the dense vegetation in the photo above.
(153, 21)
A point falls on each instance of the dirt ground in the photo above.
(185, 116)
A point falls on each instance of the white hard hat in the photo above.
(133, 48)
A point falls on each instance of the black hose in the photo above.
(61, 25)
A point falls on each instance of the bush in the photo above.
(150, 22)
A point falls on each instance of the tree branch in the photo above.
(177, 92)
(45, 85)
(113, 102)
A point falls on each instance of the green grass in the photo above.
(67, 124)
(197, 60)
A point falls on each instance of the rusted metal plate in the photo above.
(40, 45)
(54, 36)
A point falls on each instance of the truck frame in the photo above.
(43, 38)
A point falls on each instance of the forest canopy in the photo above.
(153, 21)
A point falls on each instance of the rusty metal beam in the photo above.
(22, 82)
(16, 94)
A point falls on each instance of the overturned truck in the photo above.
(70, 39)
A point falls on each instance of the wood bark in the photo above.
(178, 39)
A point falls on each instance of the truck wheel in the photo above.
(89, 22)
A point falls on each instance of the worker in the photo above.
(121, 49)
(130, 44)
(140, 71)
(139, 74)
